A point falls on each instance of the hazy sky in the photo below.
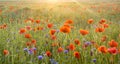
(34, 0)
(58, 0)
(45, 0)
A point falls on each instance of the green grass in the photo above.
(11, 40)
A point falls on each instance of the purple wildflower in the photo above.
(94, 60)
(30, 51)
(53, 61)
(25, 49)
(66, 51)
(40, 57)
(87, 43)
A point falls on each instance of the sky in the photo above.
(58, 0)
(36, 0)
(46, 0)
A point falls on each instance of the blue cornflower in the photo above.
(30, 51)
(87, 43)
(25, 49)
(53, 61)
(94, 60)
(40, 57)
(66, 51)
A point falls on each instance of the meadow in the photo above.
(60, 33)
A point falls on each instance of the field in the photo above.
(60, 33)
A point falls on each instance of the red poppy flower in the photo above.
(90, 21)
(77, 41)
(105, 25)
(40, 28)
(102, 21)
(5, 52)
(77, 54)
(22, 30)
(50, 25)
(84, 32)
(102, 49)
(4, 26)
(33, 41)
(28, 43)
(71, 46)
(67, 25)
(37, 21)
(53, 37)
(60, 49)
(112, 50)
(103, 38)
(113, 43)
(69, 22)
(27, 36)
(99, 29)
(65, 29)
(52, 32)
(28, 27)
(48, 53)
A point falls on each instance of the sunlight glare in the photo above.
(52, 0)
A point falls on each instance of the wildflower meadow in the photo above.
(56, 32)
